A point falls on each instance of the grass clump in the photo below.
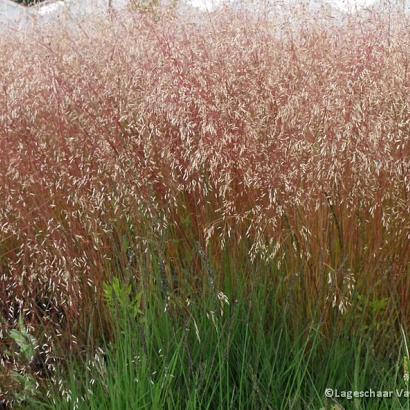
(225, 350)
(192, 155)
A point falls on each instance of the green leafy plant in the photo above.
(25, 382)
(26, 343)
(119, 296)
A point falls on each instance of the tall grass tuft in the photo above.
(232, 350)
(197, 147)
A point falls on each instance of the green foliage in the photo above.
(26, 342)
(27, 387)
(225, 350)
(119, 297)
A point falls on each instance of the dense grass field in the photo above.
(206, 212)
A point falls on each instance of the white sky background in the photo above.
(344, 5)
